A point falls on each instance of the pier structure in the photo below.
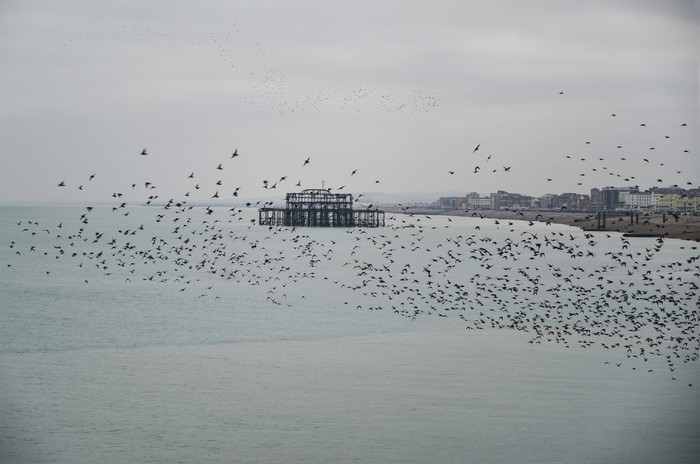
(320, 208)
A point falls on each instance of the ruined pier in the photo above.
(320, 208)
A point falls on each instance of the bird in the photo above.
(62, 184)
(475, 149)
(234, 154)
(143, 152)
(306, 161)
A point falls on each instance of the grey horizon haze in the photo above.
(586, 94)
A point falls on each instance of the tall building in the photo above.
(596, 198)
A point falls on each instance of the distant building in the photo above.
(679, 203)
(596, 198)
(452, 203)
(609, 198)
(574, 201)
(507, 200)
(548, 201)
(614, 197)
(474, 201)
(643, 200)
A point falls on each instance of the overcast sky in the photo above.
(401, 91)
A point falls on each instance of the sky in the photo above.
(559, 96)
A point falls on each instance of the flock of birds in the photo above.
(558, 285)
(603, 170)
(270, 89)
(561, 286)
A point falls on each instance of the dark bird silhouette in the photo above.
(143, 152)
(235, 153)
(475, 149)
(306, 161)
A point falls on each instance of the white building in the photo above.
(480, 203)
(642, 200)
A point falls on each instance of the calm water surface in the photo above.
(254, 347)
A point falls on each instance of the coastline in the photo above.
(680, 227)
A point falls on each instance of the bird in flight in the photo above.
(143, 152)
(475, 149)
(235, 153)
(306, 161)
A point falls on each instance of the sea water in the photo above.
(280, 345)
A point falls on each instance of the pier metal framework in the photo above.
(320, 208)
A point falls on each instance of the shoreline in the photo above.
(650, 224)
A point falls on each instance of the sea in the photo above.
(147, 334)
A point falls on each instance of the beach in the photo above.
(685, 227)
